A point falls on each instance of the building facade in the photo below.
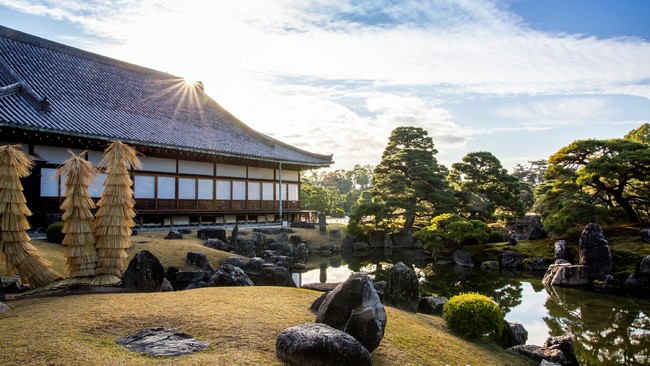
(201, 165)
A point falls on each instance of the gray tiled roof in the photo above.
(99, 97)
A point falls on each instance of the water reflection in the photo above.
(607, 330)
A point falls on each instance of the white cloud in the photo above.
(337, 76)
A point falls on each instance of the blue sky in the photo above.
(518, 78)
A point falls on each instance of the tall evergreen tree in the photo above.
(408, 180)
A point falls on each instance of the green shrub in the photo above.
(495, 237)
(473, 315)
(54, 234)
(451, 229)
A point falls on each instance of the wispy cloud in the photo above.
(344, 73)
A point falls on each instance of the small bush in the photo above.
(54, 234)
(495, 237)
(473, 315)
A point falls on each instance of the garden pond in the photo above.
(607, 329)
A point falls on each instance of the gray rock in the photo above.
(355, 308)
(537, 264)
(235, 261)
(561, 261)
(561, 251)
(174, 235)
(166, 286)
(512, 334)
(212, 234)
(283, 237)
(254, 266)
(463, 259)
(537, 233)
(322, 223)
(490, 266)
(512, 241)
(234, 237)
(432, 305)
(645, 235)
(358, 246)
(321, 286)
(566, 275)
(295, 239)
(258, 239)
(199, 260)
(218, 244)
(2, 292)
(161, 342)
(145, 273)
(335, 233)
(318, 302)
(320, 345)
(595, 252)
(301, 250)
(197, 284)
(402, 288)
(346, 244)
(185, 231)
(565, 345)
(275, 276)
(3, 307)
(644, 266)
(245, 248)
(229, 275)
(537, 353)
(402, 239)
(298, 266)
(510, 259)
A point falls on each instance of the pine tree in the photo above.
(21, 255)
(114, 218)
(78, 220)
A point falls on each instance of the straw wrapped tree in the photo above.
(78, 220)
(114, 218)
(21, 255)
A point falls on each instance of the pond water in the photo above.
(607, 329)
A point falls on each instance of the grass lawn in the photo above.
(241, 324)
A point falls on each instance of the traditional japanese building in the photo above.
(200, 163)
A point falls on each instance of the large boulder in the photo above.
(402, 288)
(537, 233)
(320, 345)
(275, 276)
(258, 239)
(537, 354)
(254, 266)
(245, 248)
(565, 345)
(199, 260)
(346, 244)
(512, 334)
(402, 239)
(490, 266)
(235, 261)
(566, 275)
(217, 244)
(561, 251)
(354, 307)
(537, 264)
(212, 234)
(318, 302)
(145, 273)
(463, 259)
(510, 259)
(174, 235)
(432, 305)
(594, 252)
(322, 223)
(229, 275)
(645, 235)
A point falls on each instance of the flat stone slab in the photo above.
(161, 342)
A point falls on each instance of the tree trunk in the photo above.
(409, 221)
(625, 205)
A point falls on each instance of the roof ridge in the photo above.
(33, 40)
